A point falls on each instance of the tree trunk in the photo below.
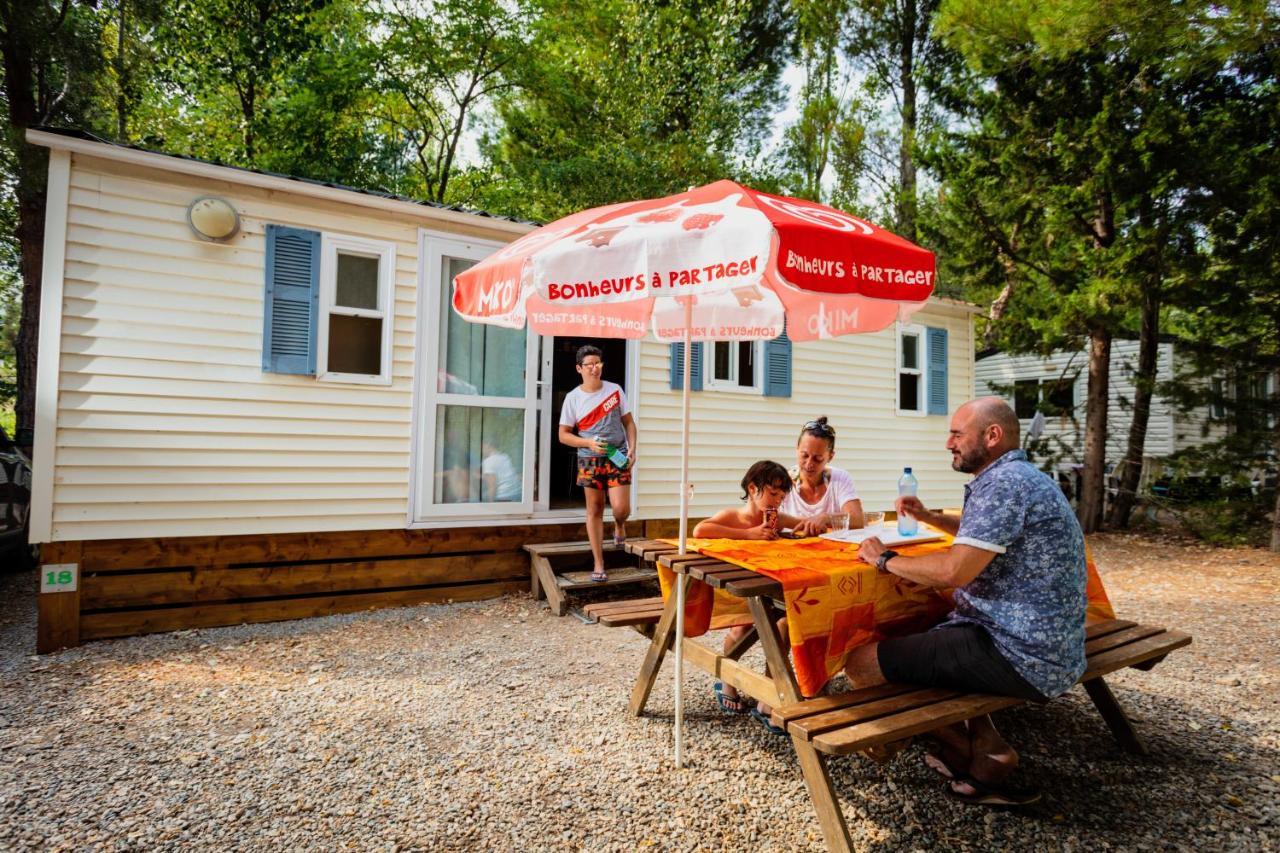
(1275, 518)
(20, 32)
(1144, 385)
(1093, 488)
(122, 74)
(906, 149)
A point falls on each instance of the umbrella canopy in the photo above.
(720, 262)
(750, 260)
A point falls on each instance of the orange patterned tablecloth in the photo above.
(835, 601)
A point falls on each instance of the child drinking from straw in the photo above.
(764, 486)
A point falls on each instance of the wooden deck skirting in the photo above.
(141, 586)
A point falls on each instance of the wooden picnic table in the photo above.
(868, 718)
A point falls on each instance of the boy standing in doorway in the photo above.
(599, 413)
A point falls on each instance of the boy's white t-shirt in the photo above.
(840, 490)
(597, 414)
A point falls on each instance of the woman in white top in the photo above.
(820, 490)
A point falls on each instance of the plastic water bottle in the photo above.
(907, 485)
(617, 457)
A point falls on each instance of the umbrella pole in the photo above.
(681, 582)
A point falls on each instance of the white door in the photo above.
(476, 392)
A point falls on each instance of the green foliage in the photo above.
(631, 99)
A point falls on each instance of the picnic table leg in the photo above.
(1105, 701)
(663, 638)
(813, 764)
(775, 656)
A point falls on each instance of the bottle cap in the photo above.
(906, 470)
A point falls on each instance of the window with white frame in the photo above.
(911, 377)
(735, 366)
(356, 280)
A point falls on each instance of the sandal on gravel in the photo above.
(935, 760)
(600, 576)
(729, 704)
(988, 794)
(763, 719)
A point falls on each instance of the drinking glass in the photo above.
(839, 522)
(873, 522)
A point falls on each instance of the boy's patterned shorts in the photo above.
(598, 472)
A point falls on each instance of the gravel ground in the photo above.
(495, 726)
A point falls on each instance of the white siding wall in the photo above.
(851, 380)
(1166, 430)
(167, 425)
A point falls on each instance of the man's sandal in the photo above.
(600, 576)
(989, 794)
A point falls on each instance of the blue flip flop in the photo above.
(763, 719)
(599, 577)
(729, 704)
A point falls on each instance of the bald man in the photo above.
(1017, 566)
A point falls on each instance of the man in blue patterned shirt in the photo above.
(1018, 569)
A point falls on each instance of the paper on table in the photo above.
(889, 535)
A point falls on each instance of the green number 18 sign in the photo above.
(59, 577)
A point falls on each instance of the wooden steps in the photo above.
(559, 568)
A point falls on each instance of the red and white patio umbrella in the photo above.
(720, 262)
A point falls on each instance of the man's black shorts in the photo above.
(960, 656)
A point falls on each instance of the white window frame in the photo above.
(922, 390)
(709, 381)
(330, 245)
(433, 248)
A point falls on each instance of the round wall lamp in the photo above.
(213, 219)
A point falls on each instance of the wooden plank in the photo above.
(746, 680)
(721, 580)
(558, 548)
(638, 546)
(103, 591)
(626, 605)
(105, 555)
(1113, 659)
(129, 622)
(58, 613)
(854, 715)
(1109, 626)
(755, 587)
(822, 704)
(898, 726)
(617, 576)
(1120, 638)
(638, 617)
(672, 560)
(547, 582)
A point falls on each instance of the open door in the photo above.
(562, 491)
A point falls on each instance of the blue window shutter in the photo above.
(936, 352)
(292, 300)
(695, 366)
(777, 366)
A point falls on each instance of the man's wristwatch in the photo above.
(882, 562)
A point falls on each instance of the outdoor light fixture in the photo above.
(213, 219)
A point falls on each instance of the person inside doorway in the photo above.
(595, 417)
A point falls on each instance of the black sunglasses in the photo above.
(819, 428)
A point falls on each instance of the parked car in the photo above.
(15, 505)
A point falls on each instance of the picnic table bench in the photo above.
(858, 720)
